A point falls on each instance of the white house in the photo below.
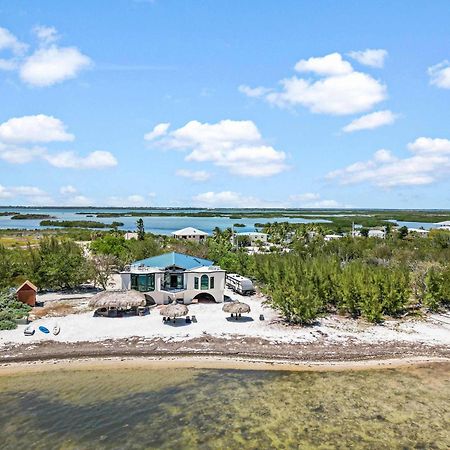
(332, 237)
(130, 235)
(190, 234)
(175, 277)
(254, 237)
(443, 225)
(381, 234)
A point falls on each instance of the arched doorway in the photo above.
(149, 300)
(204, 297)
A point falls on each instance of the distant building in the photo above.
(26, 293)
(175, 277)
(444, 225)
(254, 237)
(130, 235)
(332, 237)
(190, 234)
(419, 231)
(381, 234)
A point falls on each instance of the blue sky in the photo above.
(210, 103)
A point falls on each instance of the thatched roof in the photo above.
(174, 310)
(236, 308)
(117, 299)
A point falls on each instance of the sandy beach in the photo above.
(333, 340)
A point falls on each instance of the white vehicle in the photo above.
(239, 284)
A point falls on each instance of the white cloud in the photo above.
(440, 75)
(8, 64)
(339, 90)
(370, 57)
(130, 200)
(430, 162)
(9, 42)
(228, 199)
(20, 155)
(312, 200)
(236, 145)
(31, 194)
(331, 64)
(70, 160)
(38, 128)
(79, 200)
(46, 35)
(194, 175)
(158, 131)
(69, 189)
(48, 66)
(253, 92)
(371, 121)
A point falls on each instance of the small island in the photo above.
(79, 224)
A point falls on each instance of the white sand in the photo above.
(212, 321)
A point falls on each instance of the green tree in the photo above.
(140, 229)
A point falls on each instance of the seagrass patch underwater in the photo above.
(218, 408)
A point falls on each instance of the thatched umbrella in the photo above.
(117, 299)
(174, 310)
(236, 308)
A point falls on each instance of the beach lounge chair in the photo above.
(261, 317)
(188, 319)
(194, 319)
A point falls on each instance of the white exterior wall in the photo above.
(188, 293)
(193, 238)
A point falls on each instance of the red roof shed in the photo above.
(27, 293)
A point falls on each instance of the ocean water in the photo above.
(154, 224)
(226, 409)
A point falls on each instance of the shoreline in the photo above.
(212, 362)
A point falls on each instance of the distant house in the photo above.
(381, 234)
(26, 293)
(444, 225)
(190, 234)
(130, 235)
(419, 231)
(254, 237)
(332, 237)
(175, 277)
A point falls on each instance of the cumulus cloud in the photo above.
(235, 145)
(371, 121)
(440, 75)
(229, 199)
(69, 189)
(337, 90)
(429, 162)
(158, 131)
(370, 57)
(29, 195)
(312, 200)
(48, 64)
(19, 135)
(46, 35)
(194, 175)
(253, 92)
(130, 200)
(9, 42)
(69, 160)
(38, 128)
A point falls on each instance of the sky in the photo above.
(293, 104)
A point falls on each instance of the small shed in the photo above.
(26, 293)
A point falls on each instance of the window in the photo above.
(211, 283)
(143, 282)
(196, 283)
(204, 282)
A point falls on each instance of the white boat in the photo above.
(56, 329)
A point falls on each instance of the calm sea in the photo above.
(157, 225)
(226, 409)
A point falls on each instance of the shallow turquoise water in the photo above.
(218, 409)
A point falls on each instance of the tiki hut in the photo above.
(236, 309)
(26, 293)
(117, 300)
(174, 310)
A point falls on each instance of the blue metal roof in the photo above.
(185, 262)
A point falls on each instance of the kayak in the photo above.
(56, 329)
(44, 329)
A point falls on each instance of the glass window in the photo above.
(143, 282)
(211, 283)
(204, 282)
(196, 283)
